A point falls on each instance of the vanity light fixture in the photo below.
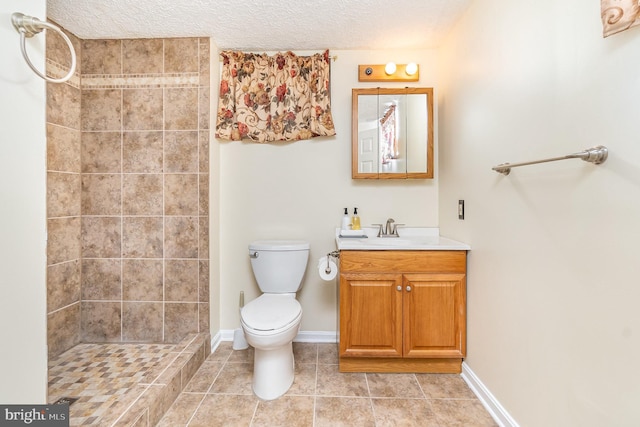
(411, 68)
(390, 72)
(390, 68)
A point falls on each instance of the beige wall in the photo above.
(553, 275)
(299, 190)
(22, 229)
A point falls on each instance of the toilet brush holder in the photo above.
(239, 341)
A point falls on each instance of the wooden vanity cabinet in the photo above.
(402, 311)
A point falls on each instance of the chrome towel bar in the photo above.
(595, 155)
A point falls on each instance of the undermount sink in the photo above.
(411, 238)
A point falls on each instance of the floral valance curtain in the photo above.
(619, 15)
(283, 97)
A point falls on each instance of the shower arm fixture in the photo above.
(28, 26)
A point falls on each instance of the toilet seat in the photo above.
(271, 313)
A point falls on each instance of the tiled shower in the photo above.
(127, 192)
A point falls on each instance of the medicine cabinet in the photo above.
(392, 133)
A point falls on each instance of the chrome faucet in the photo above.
(390, 230)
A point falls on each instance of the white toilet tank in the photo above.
(279, 265)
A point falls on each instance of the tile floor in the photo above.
(220, 395)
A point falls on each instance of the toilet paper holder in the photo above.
(334, 254)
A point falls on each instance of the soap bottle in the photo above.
(355, 220)
(346, 221)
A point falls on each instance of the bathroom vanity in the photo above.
(402, 303)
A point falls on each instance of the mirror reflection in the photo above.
(392, 134)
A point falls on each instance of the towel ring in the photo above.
(28, 26)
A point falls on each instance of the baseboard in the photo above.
(497, 411)
(303, 336)
(216, 340)
(317, 337)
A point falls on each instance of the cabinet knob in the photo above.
(408, 288)
(399, 288)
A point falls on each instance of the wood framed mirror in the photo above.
(392, 133)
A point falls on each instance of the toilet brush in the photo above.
(239, 341)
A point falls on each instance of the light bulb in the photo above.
(390, 68)
(411, 68)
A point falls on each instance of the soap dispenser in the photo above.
(355, 220)
(346, 221)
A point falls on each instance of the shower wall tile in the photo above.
(181, 151)
(181, 55)
(203, 316)
(101, 194)
(142, 152)
(101, 109)
(142, 322)
(127, 195)
(63, 105)
(63, 194)
(63, 329)
(105, 57)
(181, 237)
(142, 56)
(63, 149)
(142, 109)
(142, 237)
(101, 237)
(181, 111)
(57, 51)
(63, 239)
(203, 280)
(181, 280)
(203, 190)
(63, 285)
(203, 232)
(100, 321)
(203, 152)
(101, 152)
(101, 279)
(181, 194)
(204, 117)
(180, 319)
(142, 194)
(142, 279)
(204, 55)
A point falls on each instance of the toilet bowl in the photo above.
(273, 366)
(271, 321)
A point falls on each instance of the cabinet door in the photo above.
(371, 315)
(434, 315)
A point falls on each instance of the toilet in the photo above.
(271, 321)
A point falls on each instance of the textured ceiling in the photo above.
(266, 24)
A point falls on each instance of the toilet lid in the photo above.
(271, 311)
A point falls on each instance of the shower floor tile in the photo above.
(103, 375)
